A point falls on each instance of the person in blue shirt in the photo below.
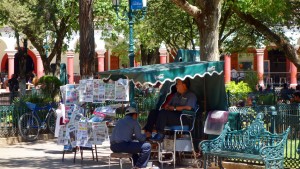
(183, 99)
(126, 137)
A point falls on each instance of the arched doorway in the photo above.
(31, 65)
(278, 65)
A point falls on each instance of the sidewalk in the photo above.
(44, 154)
(47, 154)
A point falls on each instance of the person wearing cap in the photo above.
(183, 99)
(121, 140)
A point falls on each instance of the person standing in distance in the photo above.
(13, 85)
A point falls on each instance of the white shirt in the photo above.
(233, 73)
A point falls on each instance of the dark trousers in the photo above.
(140, 151)
(12, 96)
(151, 120)
(161, 119)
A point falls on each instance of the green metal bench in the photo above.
(253, 143)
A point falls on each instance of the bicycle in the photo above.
(30, 123)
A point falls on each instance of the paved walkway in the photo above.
(47, 154)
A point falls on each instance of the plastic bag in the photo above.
(103, 113)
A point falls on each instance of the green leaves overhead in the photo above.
(167, 23)
(236, 34)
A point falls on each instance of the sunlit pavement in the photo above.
(47, 154)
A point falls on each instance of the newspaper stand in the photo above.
(83, 131)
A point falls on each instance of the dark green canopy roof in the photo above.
(206, 81)
(151, 74)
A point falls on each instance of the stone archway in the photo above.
(4, 63)
(31, 63)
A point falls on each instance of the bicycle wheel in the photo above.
(51, 121)
(29, 127)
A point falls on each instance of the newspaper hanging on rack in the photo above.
(82, 135)
(99, 133)
(62, 137)
(70, 94)
(86, 90)
(98, 91)
(122, 90)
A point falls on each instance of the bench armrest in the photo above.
(214, 144)
(276, 151)
(273, 152)
(209, 145)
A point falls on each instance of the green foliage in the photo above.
(37, 98)
(164, 22)
(238, 91)
(50, 86)
(251, 79)
(37, 20)
(266, 99)
(167, 23)
(236, 34)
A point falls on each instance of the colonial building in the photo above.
(104, 59)
(269, 62)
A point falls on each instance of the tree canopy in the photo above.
(39, 20)
(214, 25)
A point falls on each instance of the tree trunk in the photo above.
(87, 43)
(207, 15)
(21, 55)
(149, 57)
(208, 26)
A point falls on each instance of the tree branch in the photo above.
(289, 50)
(187, 7)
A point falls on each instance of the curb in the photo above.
(19, 139)
(235, 165)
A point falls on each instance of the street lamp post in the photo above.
(131, 16)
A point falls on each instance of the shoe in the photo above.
(158, 137)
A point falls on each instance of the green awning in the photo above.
(152, 74)
(206, 78)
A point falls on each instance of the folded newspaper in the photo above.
(104, 113)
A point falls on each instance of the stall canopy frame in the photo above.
(207, 79)
(207, 82)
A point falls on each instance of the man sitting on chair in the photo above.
(121, 139)
(183, 99)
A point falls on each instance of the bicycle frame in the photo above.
(30, 123)
(34, 111)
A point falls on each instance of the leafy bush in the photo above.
(266, 99)
(251, 79)
(38, 99)
(50, 86)
(238, 91)
(35, 97)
